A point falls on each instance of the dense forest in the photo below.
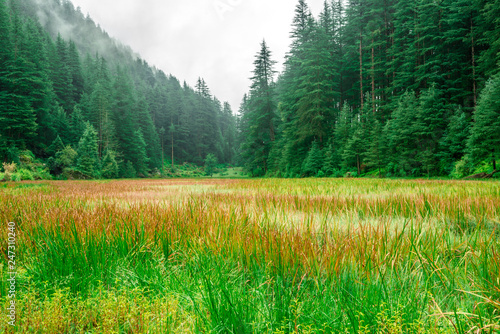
(370, 87)
(379, 87)
(78, 104)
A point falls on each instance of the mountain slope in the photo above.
(76, 80)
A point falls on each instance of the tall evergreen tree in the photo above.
(88, 150)
(261, 115)
(484, 142)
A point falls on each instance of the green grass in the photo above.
(255, 256)
(231, 173)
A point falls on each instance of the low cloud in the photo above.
(213, 39)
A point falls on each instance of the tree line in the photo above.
(380, 87)
(89, 114)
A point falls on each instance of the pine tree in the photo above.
(151, 139)
(138, 154)
(490, 30)
(428, 128)
(484, 142)
(56, 146)
(294, 147)
(454, 143)
(402, 147)
(314, 161)
(76, 72)
(260, 117)
(375, 156)
(205, 128)
(109, 165)
(88, 150)
(99, 111)
(342, 133)
(17, 117)
(61, 75)
(315, 106)
(210, 163)
(355, 148)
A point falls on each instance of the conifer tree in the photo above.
(454, 143)
(138, 155)
(314, 161)
(402, 147)
(88, 150)
(109, 165)
(260, 117)
(210, 162)
(484, 142)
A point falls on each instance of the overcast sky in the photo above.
(213, 39)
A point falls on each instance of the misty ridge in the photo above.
(92, 108)
(61, 17)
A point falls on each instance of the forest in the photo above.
(76, 103)
(369, 88)
(382, 88)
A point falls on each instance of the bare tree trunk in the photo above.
(358, 164)
(361, 69)
(373, 78)
(474, 88)
(172, 149)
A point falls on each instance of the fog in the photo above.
(213, 39)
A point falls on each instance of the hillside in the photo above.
(85, 105)
(397, 88)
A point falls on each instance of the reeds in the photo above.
(243, 256)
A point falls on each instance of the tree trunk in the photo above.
(494, 161)
(358, 164)
(373, 78)
(172, 150)
(474, 88)
(361, 69)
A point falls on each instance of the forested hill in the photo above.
(381, 87)
(79, 102)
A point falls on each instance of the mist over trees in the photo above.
(392, 87)
(85, 105)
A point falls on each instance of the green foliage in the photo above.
(138, 154)
(56, 146)
(51, 86)
(110, 168)
(210, 163)
(314, 161)
(25, 175)
(66, 157)
(375, 83)
(88, 159)
(260, 115)
(9, 169)
(484, 142)
(63, 158)
(128, 171)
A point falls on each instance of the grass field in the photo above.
(253, 256)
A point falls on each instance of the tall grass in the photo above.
(254, 256)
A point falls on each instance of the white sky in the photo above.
(213, 39)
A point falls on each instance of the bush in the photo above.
(42, 173)
(461, 169)
(9, 170)
(25, 175)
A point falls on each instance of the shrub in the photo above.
(461, 169)
(9, 170)
(25, 175)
